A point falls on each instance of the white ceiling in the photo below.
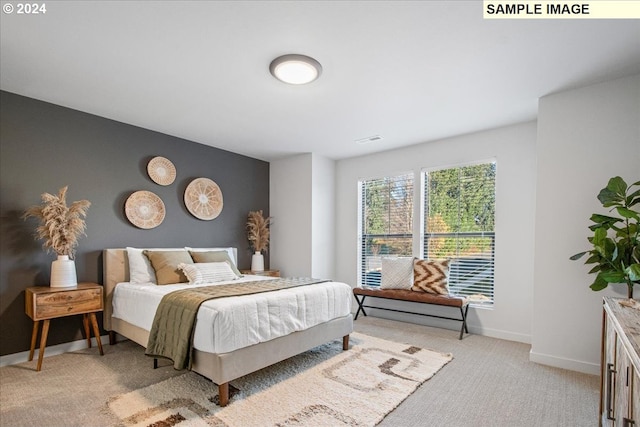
(411, 72)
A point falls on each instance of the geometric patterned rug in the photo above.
(322, 387)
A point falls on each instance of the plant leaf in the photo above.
(613, 194)
(630, 198)
(608, 198)
(627, 213)
(599, 236)
(577, 256)
(595, 269)
(604, 219)
(593, 258)
(612, 276)
(617, 185)
(633, 271)
(598, 284)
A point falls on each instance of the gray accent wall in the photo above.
(44, 147)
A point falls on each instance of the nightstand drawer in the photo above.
(48, 305)
(72, 302)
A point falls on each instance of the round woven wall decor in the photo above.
(203, 198)
(144, 209)
(161, 170)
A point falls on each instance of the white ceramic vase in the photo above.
(63, 273)
(257, 262)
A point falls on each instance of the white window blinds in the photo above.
(385, 223)
(459, 223)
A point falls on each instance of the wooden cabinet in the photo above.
(43, 303)
(272, 273)
(620, 366)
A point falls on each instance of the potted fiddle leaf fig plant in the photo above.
(616, 239)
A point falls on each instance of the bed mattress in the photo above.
(227, 324)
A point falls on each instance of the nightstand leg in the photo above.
(96, 331)
(34, 338)
(43, 343)
(85, 322)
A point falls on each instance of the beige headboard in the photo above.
(116, 270)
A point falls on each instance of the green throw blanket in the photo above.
(171, 335)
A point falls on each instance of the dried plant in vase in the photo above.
(258, 231)
(258, 236)
(60, 228)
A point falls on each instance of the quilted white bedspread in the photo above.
(227, 324)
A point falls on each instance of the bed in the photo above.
(218, 361)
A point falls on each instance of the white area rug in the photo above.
(322, 387)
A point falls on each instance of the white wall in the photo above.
(302, 204)
(323, 218)
(514, 149)
(585, 137)
(290, 206)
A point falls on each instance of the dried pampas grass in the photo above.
(258, 231)
(60, 226)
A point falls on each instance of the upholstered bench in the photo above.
(461, 303)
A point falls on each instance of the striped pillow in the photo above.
(431, 276)
(207, 272)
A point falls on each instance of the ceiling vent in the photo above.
(369, 139)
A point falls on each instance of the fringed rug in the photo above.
(322, 387)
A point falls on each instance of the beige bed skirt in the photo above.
(224, 367)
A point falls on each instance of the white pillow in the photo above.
(207, 272)
(140, 269)
(397, 273)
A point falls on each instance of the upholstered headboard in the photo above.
(116, 270)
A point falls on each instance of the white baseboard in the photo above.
(449, 324)
(12, 359)
(563, 363)
(500, 334)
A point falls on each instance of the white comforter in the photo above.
(227, 324)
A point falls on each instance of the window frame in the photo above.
(481, 234)
(362, 264)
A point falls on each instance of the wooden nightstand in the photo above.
(45, 303)
(272, 273)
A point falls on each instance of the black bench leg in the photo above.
(463, 313)
(360, 307)
(465, 318)
(155, 363)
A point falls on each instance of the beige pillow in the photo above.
(431, 276)
(165, 265)
(215, 256)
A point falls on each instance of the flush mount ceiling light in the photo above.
(295, 69)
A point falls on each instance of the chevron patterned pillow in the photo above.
(397, 273)
(431, 276)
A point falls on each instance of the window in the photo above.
(385, 223)
(459, 223)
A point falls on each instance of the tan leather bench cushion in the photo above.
(409, 295)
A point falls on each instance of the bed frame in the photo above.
(225, 367)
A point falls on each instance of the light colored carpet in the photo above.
(352, 388)
(490, 382)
